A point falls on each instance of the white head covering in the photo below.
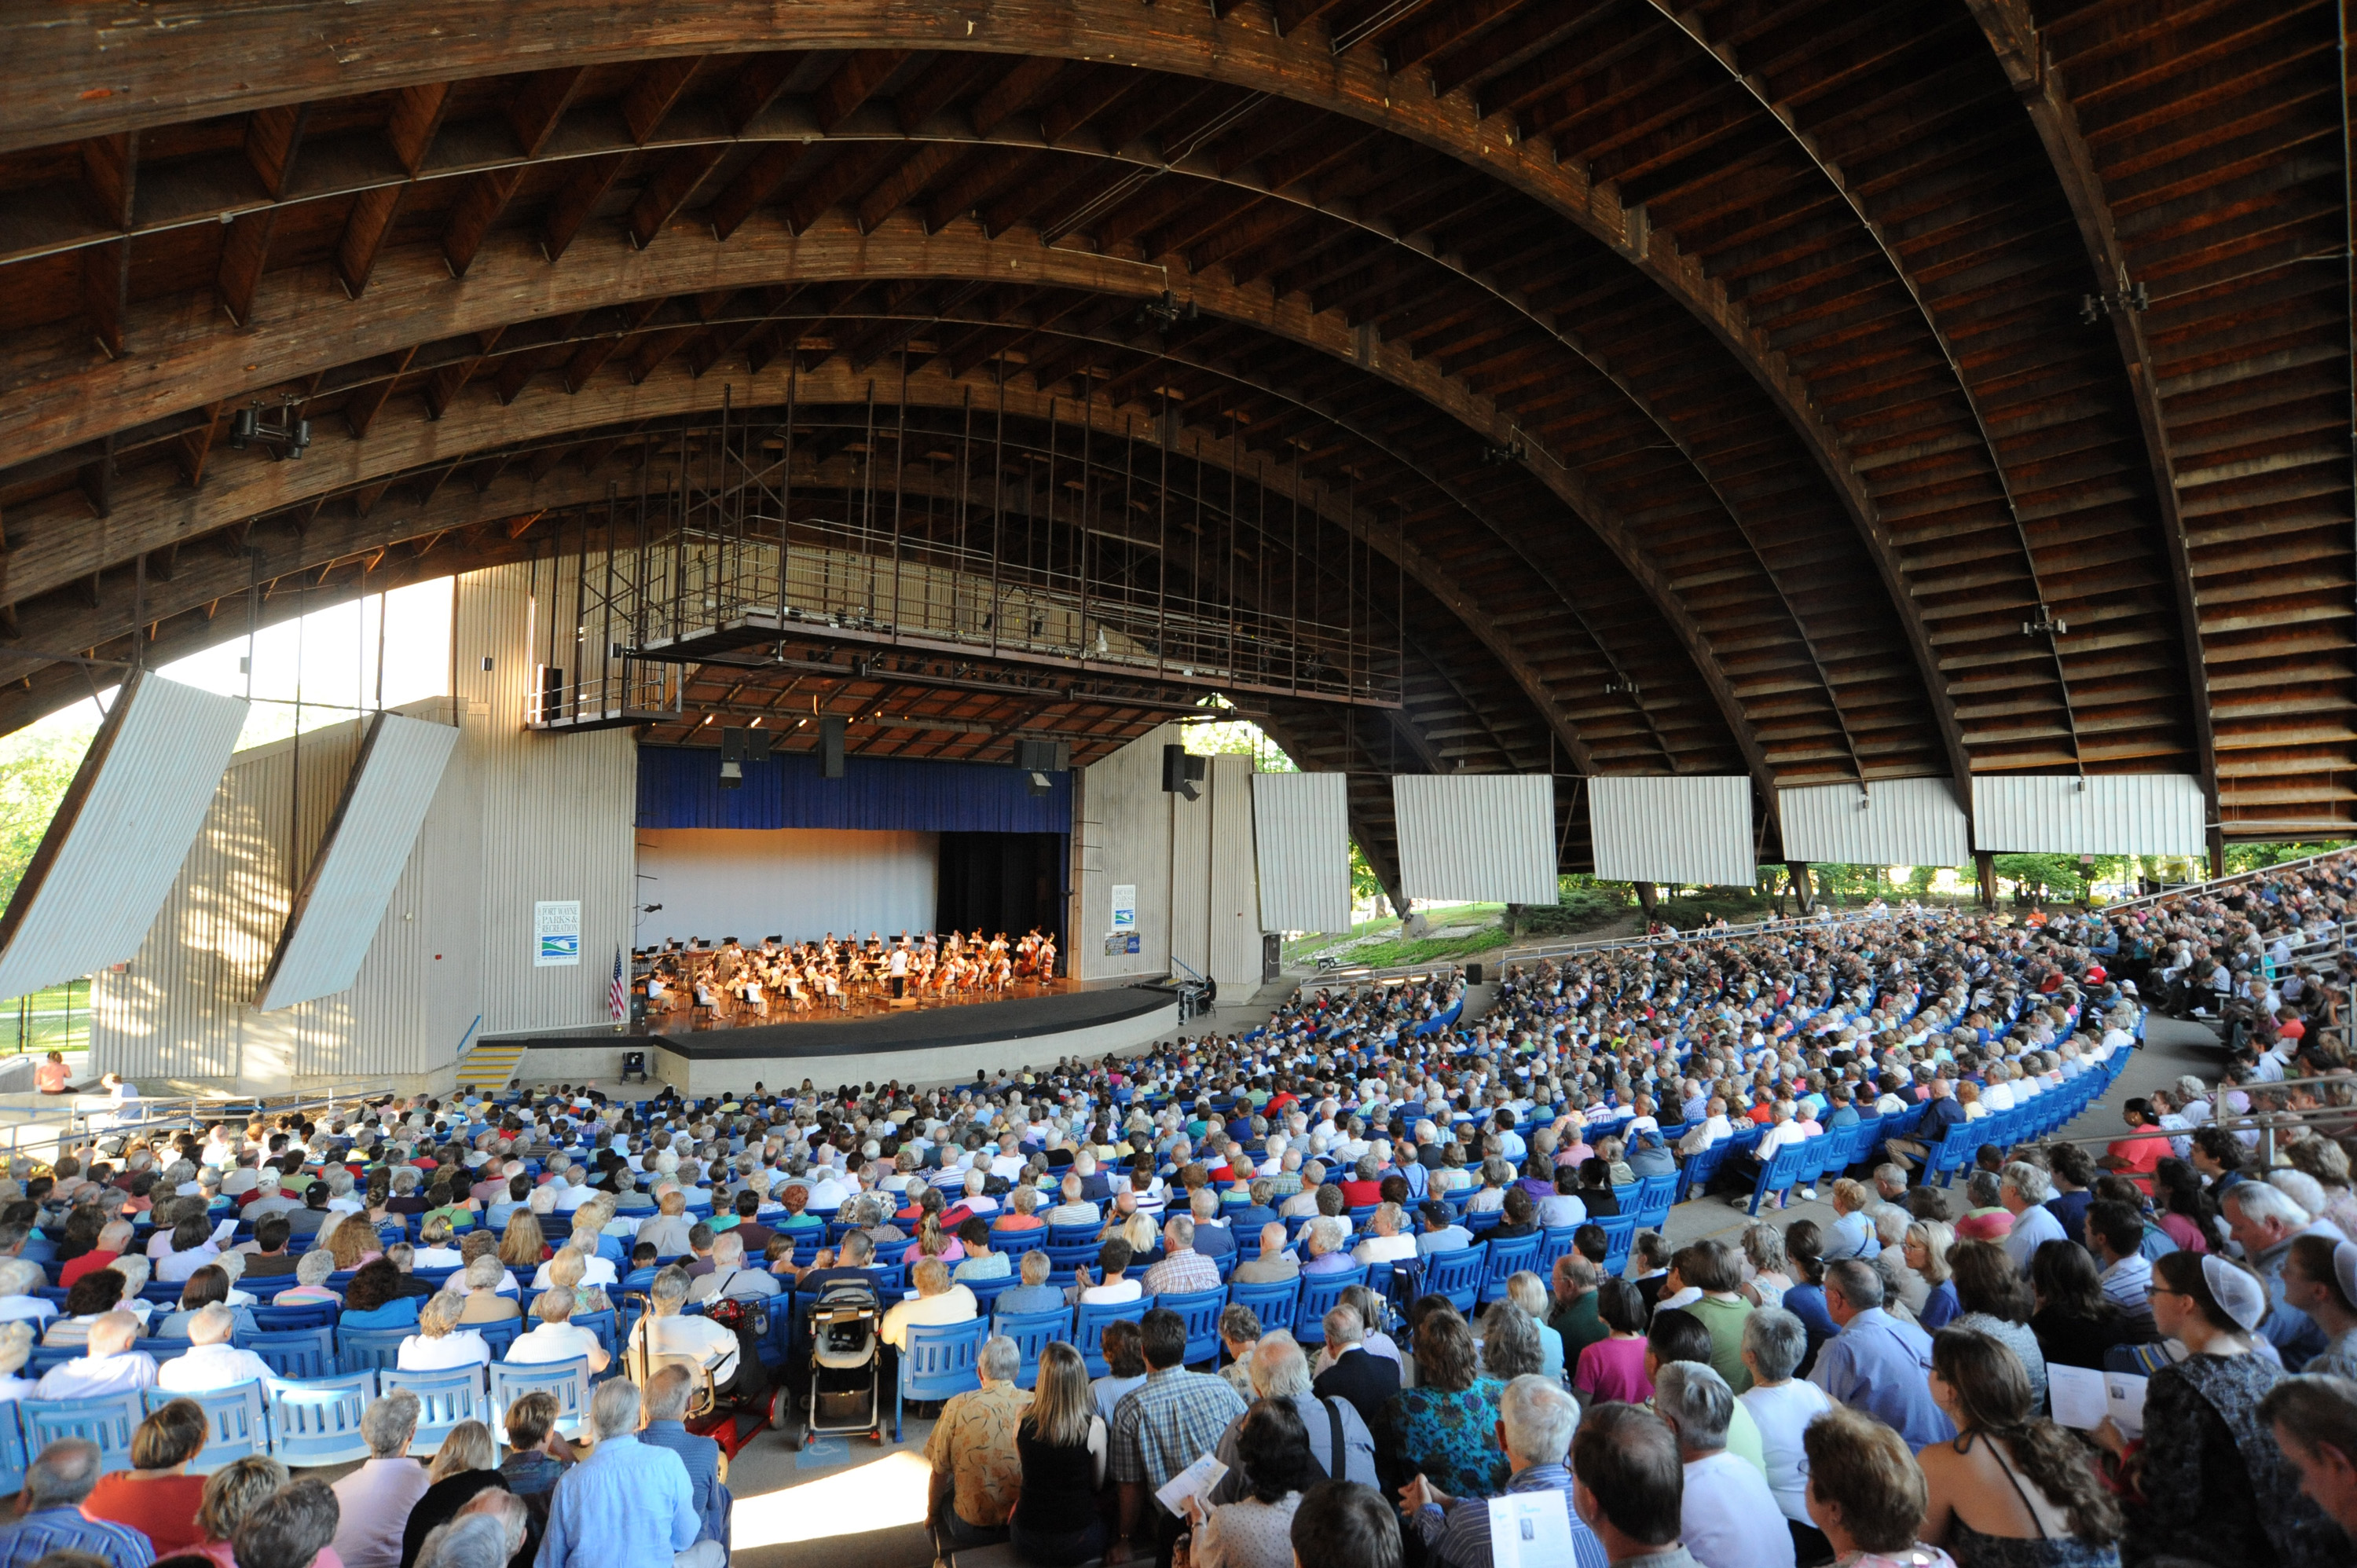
(2344, 1268)
(2239, 1293)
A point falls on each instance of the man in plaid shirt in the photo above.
(1161, 1427)
(1182, 1268)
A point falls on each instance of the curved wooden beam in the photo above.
(161, 71)
(2012, 33)
(478, 428)
(416, 298)
(1689, 24)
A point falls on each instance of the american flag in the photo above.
(618, 992)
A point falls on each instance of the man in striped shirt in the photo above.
(55, 1485)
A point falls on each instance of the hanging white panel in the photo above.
(2112, 813)
(114, 847)
(1301, 833)
(1897, 821)
(368, 843)
(1477, 837)
(1691, 826)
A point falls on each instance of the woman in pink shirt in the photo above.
(1614, 1367)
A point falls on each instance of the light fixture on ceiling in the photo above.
(287, 437)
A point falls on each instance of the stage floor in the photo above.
(682, 1023)
(1090, 1015)
(922, 1028)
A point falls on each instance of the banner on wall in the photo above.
(1124, 907)
(556, 933)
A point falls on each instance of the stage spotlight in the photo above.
(1037, 784)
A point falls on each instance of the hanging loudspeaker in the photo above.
(830, 745)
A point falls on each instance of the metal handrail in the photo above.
(2188, 889)
(85, 1118)
(1359, 973)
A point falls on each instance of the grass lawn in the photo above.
(57, 1019)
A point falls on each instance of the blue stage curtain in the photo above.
(679, 786)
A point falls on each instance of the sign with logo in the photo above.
(556, 933)
(1125, 907)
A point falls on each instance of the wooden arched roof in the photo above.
(1819, 390)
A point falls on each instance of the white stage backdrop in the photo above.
(795, 881)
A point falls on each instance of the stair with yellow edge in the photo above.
(489, 1066)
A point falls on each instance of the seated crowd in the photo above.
(637, 1488)
(1912, 1338)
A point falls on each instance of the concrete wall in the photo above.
(1191, 862)
(1121, 834)
(518, 817)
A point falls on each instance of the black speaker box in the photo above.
(830, 745)
(1181, 769)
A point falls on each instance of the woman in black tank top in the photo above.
(1062, 1443)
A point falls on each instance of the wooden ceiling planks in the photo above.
(1723, 368)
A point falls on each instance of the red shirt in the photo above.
(161, 1507)
(2137, 1154)
(1358, 1193)
(90, 1262)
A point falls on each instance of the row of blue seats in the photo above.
(1830, 1153)
(301, 1422)
(1471, 1277)
(320, 1351)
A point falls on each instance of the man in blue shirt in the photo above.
(667, 1398)
(1877, 1364)
(628, 1501)
(55, 1484)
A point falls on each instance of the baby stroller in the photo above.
(847, 1363)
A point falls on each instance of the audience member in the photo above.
(2011, 1489)
(1535, 1423)
(157, 1496)
(1877, 1364)
(1060, 1444)
(50, 1518)
(1866, 1494)
(467, 1463)
(1161, 1427)
(375, 1498)
(627, 1502)
(976, 1467)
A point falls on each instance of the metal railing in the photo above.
(1352, 975)
(2193, 889)
(77, 1122)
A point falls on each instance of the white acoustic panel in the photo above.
(114, 848)
(1896, 821)
(1301, 833)
(367, 843)
(1689, 827)
(1477, 837)
(2112, 813)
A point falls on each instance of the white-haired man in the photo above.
(1535, 1421)
(108, 1364)
(211, 1361)
(629, 1501)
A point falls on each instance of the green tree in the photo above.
(36, 767)
(1239, 737)
(1364, 883)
